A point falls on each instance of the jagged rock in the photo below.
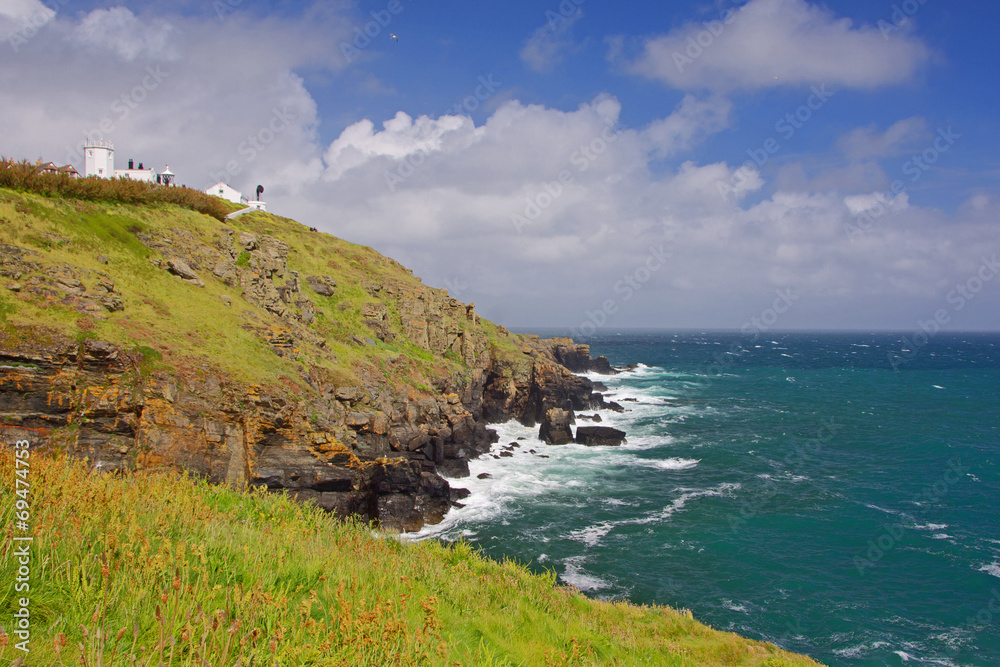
(599, 436)
(248, 241)
(600, 386)
(182, 270)
(603, 366)
(322, 285)
(484, 475)
(555, 428)
(14, 287)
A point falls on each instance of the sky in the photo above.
(747, 165)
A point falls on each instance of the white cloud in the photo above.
(120, 31)
(691, 122)
(768, 43)
(605, 195)
(548, 45)
(20, 10)
(858, 204)
(868, 142)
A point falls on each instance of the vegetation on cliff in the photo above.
(160, 569)
(25, 177)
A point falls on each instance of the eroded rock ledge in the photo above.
(353, 450)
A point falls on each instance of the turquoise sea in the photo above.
(836, 494)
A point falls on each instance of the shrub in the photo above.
(24, 177)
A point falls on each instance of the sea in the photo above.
(834, 493)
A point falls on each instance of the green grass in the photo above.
(78, 233)
(172, 571)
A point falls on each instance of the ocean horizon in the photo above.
(831, 492)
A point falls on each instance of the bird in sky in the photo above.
(394, 37)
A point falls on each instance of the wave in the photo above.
(992, 569)
(575, 576)
(680, 502)
(732, 606)
(669, 464)
(930, 526)
(591, 535)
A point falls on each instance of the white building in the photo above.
(229, 193)
(222, 189)
(99, 160)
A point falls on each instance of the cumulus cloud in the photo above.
(693, 120)
(769, 43)
(121, 32)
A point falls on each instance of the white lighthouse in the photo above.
(99, 159)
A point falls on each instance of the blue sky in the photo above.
(663, 223)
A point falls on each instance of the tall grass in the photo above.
(24, 177)
(160, 569)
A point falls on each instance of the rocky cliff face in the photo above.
(368, 451)
(371, 437)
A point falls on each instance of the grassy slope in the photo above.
(203, 333)
(163, 567)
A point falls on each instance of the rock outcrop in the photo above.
(599, 436)
(555, 428)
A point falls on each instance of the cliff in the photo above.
(256, 352)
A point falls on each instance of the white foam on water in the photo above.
(669, 464)
(882, 509)
(991, 569)
(732, 606)
(904, 655)
(941, 536)
(575, 576)
(591, 535)
(930, 526)
(680, 502)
